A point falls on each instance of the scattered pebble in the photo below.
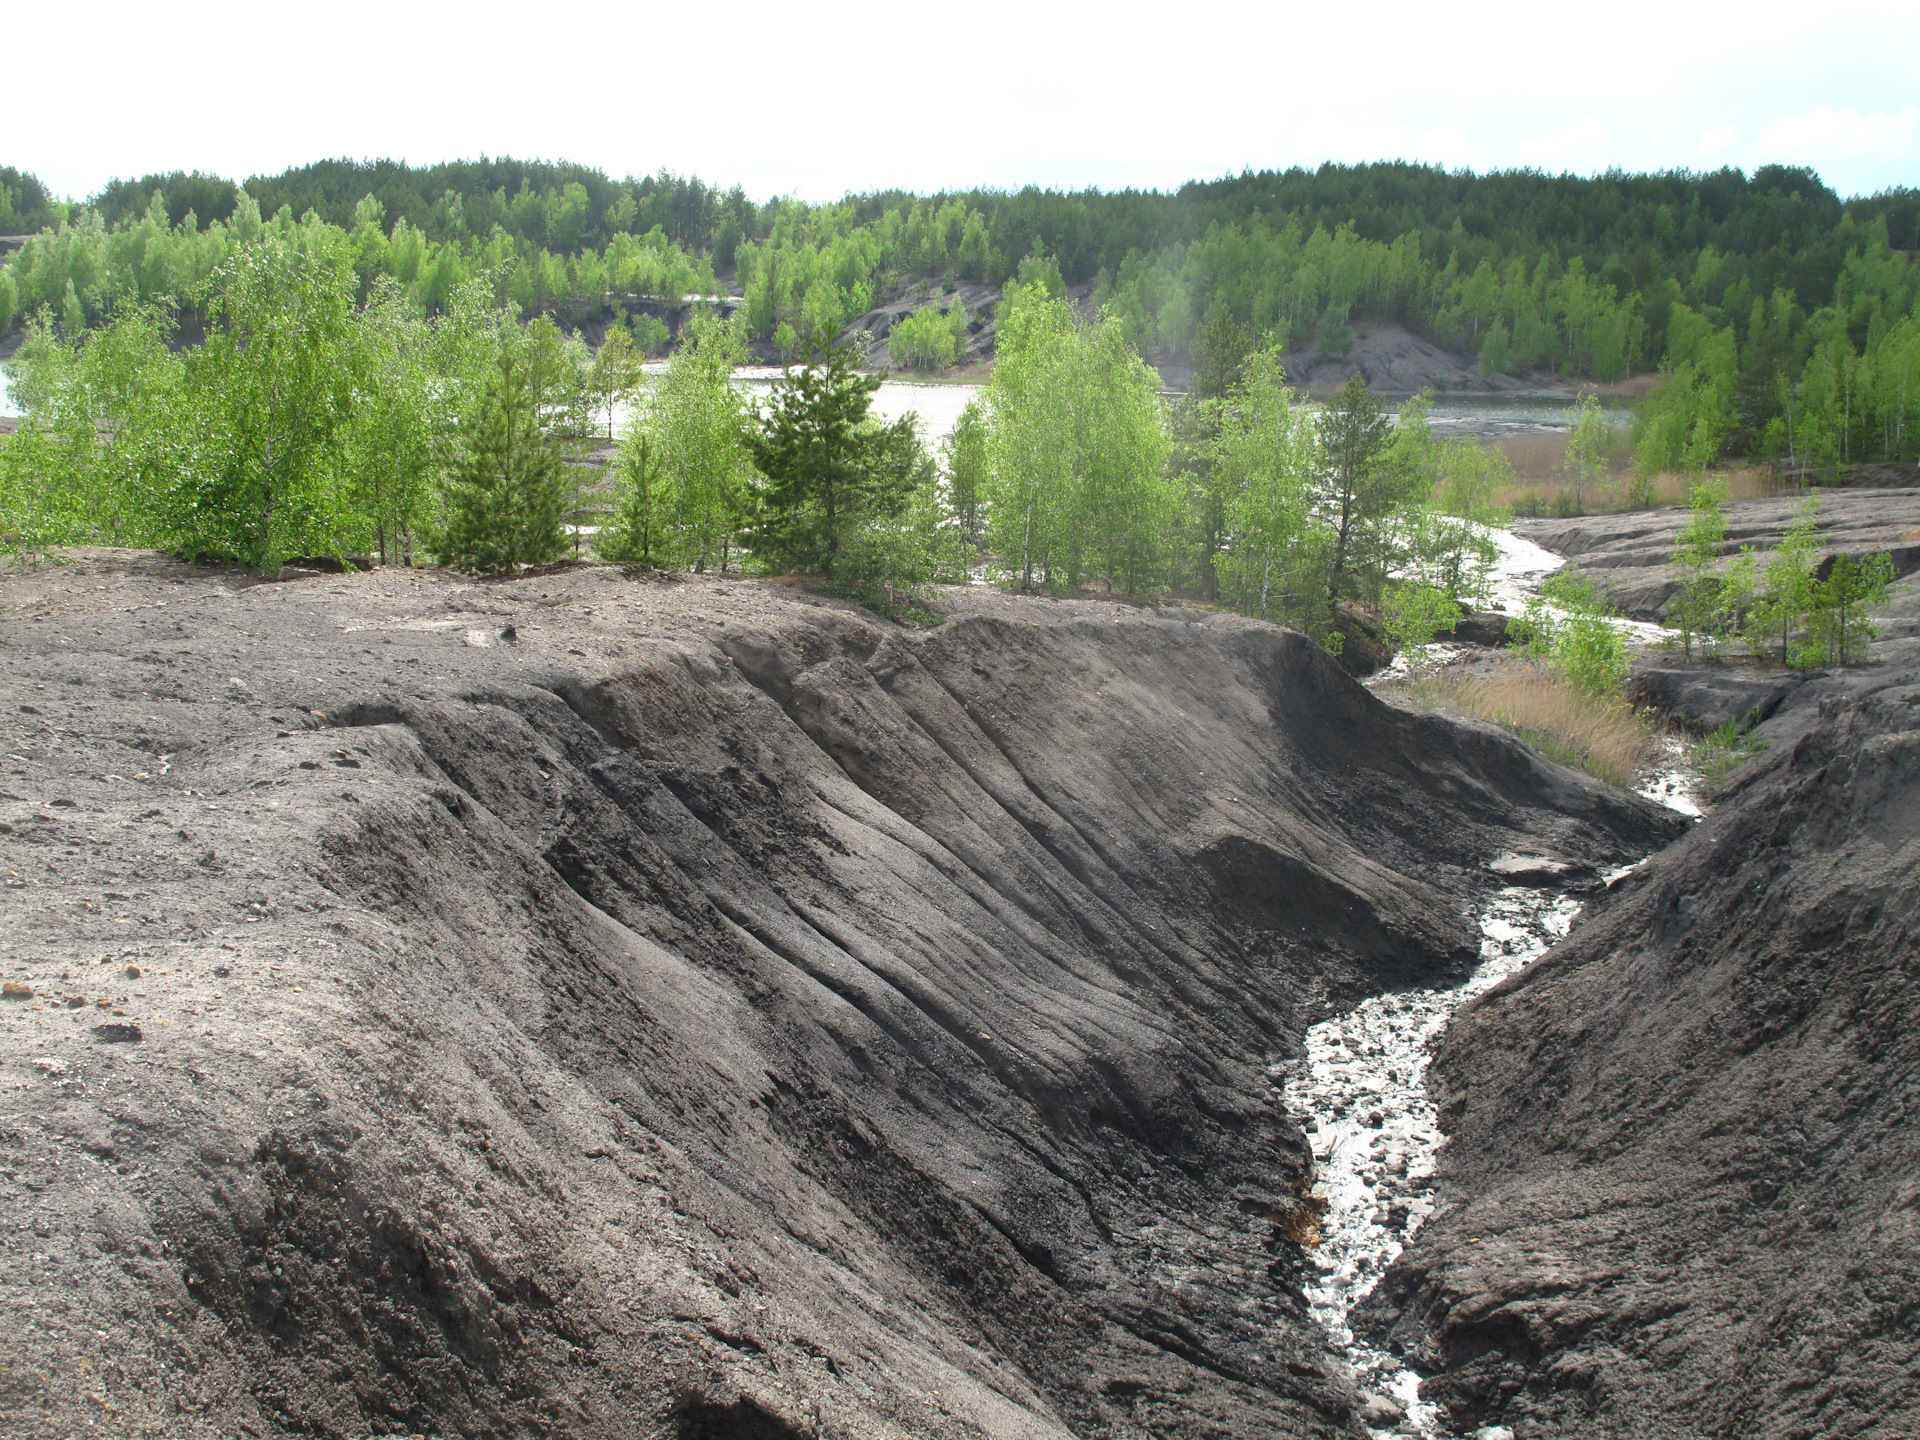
(14, 990)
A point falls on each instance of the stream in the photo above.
(1376, 1133)
(1373, 1126)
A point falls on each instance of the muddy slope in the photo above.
(1680, 1193)
(591, 1007)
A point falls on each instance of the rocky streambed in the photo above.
(1376, 1132)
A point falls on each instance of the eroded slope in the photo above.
(1680, 1185)
(589, 1007)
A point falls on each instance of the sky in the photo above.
(831, 96)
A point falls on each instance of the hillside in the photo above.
(590, 1006)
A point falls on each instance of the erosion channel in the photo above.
(584, 1005)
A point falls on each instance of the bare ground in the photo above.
(593, 1006)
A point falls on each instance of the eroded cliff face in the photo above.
(1681, 1180)
(581, 1006)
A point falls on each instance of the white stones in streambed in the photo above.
(1671, 782)
(1375, 1132)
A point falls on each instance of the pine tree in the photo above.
(1363, 488)
(819, 461)
(638, 533)
(508, 492)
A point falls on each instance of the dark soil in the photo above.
(1678, 1194)
(593, 1006)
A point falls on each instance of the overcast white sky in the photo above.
(819, 98)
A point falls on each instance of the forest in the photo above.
(1783, 314)
(322, 419)
(348, 386)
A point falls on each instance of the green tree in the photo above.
(616, 372)
(1223, 348)
(700, 435)
(1586, 448)
(967, 470)
(1570, 625)
(1787, 594)
(958, 323)
(1412, 613)
(820, 460)
(263, 402)
(1839, 618)
(922, 341)
(650, 335)
(73, 316)
(392, 434)
(640, 529)
(1077, 453)
(1266, 462)
(508, 491)
(1697, 549)
(905, 536)
(1375, 471)
(1496, 352)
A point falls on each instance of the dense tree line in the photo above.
(1784, 317)
(325, 415)
(81, 269)
(25, 205)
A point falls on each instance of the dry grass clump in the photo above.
(1553, 494)
(1599, 734)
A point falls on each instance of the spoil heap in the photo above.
(585, 1006)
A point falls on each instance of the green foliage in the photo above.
(509, 489)
(1266, 461)
(25, 205)
(1586, 447)
(1684, 422)
(616, 371)
(827, 469)
(303, 425)
(1413, 613)
(1782, 321)
(967, 470)
(923, 341)
(1375, 471)
(1715, 756)
(1076, 452)
(1496, 351)
(905, 537)
(1787, 594)
(1854, 584)
(1571, 626)
(392, 441)
(690, 454)
(256, 475)
(650, 334)
(1698, 610)
(641, 529)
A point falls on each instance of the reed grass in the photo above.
(1598, 734)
